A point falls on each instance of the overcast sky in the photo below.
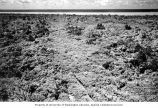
(78, 4)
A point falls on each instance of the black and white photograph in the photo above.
(78, 51)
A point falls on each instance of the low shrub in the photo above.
(128, 27)
(4, 96)
(11, 63)
(100, 26)
(74, 30)
(107, 65)
(145, 59)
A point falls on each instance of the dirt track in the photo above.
(94, 83)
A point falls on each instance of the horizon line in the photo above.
(78, 10)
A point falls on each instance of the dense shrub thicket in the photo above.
(15, 60)
(17, 29)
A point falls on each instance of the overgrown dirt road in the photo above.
(78, 58)
(74, 54)
(88, 78)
